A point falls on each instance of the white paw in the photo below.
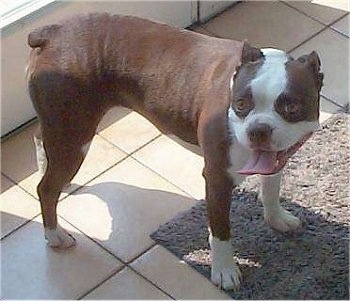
(282, 221)
(228, 277)
(224, 271)
(59, 238)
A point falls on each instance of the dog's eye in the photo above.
(292, 108)
(242, 106)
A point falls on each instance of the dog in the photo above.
(248, 109)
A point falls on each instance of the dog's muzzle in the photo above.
(270, 162)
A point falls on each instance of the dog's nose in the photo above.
(260, 134)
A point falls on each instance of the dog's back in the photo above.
(122, 60)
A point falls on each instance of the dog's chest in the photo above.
(238, 156)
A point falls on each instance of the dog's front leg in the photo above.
(275, 216)
(224, 270)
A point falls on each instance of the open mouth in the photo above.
(270, 162)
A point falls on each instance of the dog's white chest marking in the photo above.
(238, 156)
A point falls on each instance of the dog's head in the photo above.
(275, 107)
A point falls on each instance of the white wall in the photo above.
(207, 9)
(15, 103)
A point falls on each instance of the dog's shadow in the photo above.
(311, 263)
(124, 215)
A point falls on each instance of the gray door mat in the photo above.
(310, 264)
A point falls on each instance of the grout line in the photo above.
(128, 155)
(29, 219)
(105, 248)
(81, 186)
(142, 253)
(9, 179)
(135, 150)
(102, 282)
(22, 188)
(125, 264)
(308, 39)
(336, 30)
(93, 240)
(319, 32)
(20, 226)
(313, 18)
(335, 103)
(151, 282)
(164, 178)
(18, 185)
(339, 32)
(19, 129)
(119, 271)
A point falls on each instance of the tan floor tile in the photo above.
(331, 47)
(122, 207)
(17, 207)
(126, 285)
(320, 12)
(175, 277)
(6, 184)
(327, 109)
(202, 30)
(337, 4)
(101, 156)
(19, 160)
(175, 163)
(343, 25)
(264, 24)
(34, 271)
(112, 116)
(130, 132)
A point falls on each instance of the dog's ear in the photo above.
(41, 36)
(250, 54)
(250, 57)
(312, 60)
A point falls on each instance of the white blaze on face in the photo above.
(270, 80)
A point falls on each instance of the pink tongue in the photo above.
(260, 162)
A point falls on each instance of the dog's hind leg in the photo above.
(41, 158)
(65, 152)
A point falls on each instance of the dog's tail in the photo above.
(41, 36)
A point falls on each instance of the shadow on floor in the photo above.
(310, 264)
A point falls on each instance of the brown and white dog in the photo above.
(248, 109)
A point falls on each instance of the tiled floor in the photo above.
(134, 179)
